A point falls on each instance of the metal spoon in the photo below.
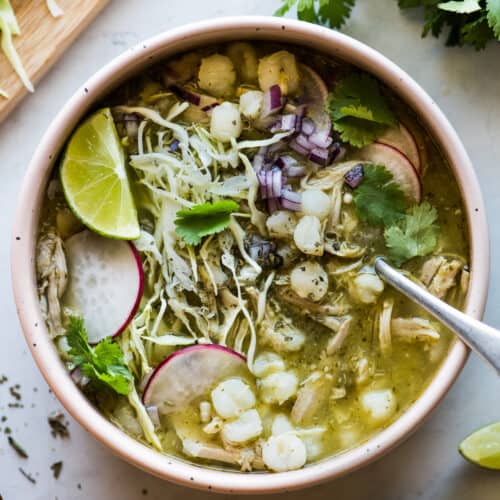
(479, 337)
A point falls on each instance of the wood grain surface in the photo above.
(42, 41)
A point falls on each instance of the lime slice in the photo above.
(482, 447)
(95, 180)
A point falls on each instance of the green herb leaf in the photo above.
(330, 13)
(493, 7)
(201, 220)
(358, 110)
(469, 22)
(460, 6)
(415, 235)
(379, 199)
(103, 363)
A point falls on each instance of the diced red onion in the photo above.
(303, 141)
(273, 101)
(284, 123)
(261, 176)
(272, 205)
(290, 205)
(321, 139)
(298, 148)
(295, 171)
(354, 177)
(308, 126)
(276, 183)
(286, 161)
(287, 194)
(258, 162)
(174, 146)
(320, 156)
(269, 184)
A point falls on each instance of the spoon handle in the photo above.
(479, 337)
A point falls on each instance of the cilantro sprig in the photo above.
(102, 363)
(379, 200)
(205, 219)
(358, 109)
(414, 235)
(332, 14)
(466, 22)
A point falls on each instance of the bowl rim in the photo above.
(25, 231)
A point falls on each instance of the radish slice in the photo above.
(397, 163)
(402, 139)
(189, 374)
(105, 285)
(315, 95)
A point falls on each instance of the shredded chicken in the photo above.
(384, 326)
(311, 397)
(413, 329)
(336, 342)
(52, 276)
(440, 275)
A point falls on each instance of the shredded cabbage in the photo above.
(9, 27)
(54, 9)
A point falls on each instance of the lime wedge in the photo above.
(482, 447)
(95, 180)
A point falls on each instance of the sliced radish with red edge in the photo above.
(402, 139)
(106, 281)
(397, 163)
(189, 374)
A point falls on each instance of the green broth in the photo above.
(354, 372)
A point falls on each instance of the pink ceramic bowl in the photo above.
(28, 212)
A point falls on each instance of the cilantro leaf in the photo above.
(330, 13)
(493, 7)
(358, 109)
(414, 235)
(477, 33)
(460, 6)
(103, 363)
(202, 220)
(468, 22)
(379, 199)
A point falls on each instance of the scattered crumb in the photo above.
(14, 392)
(17, 447)
(144, 492)
(56, 468)
(58, 425)
(15, 405)
(79, 486)
(3, 379)
(28, 476)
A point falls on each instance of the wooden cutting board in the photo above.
(42, 41)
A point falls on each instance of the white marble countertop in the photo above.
(427, 466)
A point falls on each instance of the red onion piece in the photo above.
(290, 205)
(354, 177)
(295, 171)
(286, 161)
(276, 183)
(269, 184)
(303, 141)
(287, 194)
(320, 156)
(261, 176)
(174, 146)
(308, 126)
(272, 101)
(272, 205)
(298, 148)
(321, 139)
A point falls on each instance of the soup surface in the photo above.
(244, 326)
